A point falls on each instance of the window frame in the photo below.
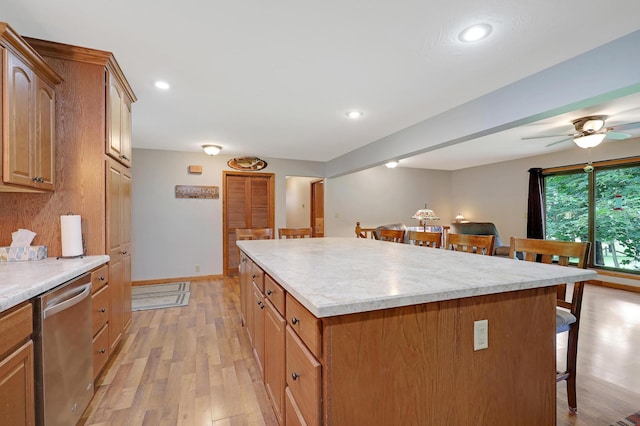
(597, 166)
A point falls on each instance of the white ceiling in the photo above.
(274, 79)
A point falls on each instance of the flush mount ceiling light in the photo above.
(354, 115)
(392, 164)
(589, 141)
(475, 33)
(162, 85)
(212, 149)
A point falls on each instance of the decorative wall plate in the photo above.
(247, 163)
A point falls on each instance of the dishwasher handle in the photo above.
(73, 297)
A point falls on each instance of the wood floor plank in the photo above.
(193, 365)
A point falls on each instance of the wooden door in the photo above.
(317, 207)
(248, 202)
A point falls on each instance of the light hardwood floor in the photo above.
(193, 365)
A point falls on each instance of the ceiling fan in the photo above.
(591, 131)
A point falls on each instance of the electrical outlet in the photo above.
(197, 268)
(480, 335)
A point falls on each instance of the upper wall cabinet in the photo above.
(118, 119)
(28, 134)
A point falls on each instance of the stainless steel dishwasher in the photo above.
(64, 353)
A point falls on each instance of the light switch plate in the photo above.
(480, 335)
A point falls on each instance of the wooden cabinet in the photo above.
(274, 358)
(244, 269)
(258, 328)
(17, 367)
(119, 247)
(28, 134)
(119, 121)
(100, 302)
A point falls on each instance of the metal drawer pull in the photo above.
(101, 278)
(269, 292)
(294, 320)
(260, 304)
(102, 351)
(103, 310)
(295, 376)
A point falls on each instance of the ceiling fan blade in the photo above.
(617, 136)
(560, 141)
(546, 136)
(627, 126)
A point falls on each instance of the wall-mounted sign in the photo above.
(247, 163)
(196, 191)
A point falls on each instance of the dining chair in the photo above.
(393, 235)
(567, 312)
(478, 244)
(253, 234)
(425, 239)
(284, 233)
(364, 232)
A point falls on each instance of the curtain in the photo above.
(535, 207)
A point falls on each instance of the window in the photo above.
(602, 207)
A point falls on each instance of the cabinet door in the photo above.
(245, 280)
(45, 136)
(118, 245)
(16, 387)
(114, 118)
(18, 148)
(118, 122)
(258, 328)
(274, 361)
(125, 132)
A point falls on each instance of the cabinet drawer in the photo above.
(305, 324)
(304, 378)
(100, 306)
(293, 415)
(99, 278)
(100, 350)
(257, 275)
(15, 326)
(274, 293)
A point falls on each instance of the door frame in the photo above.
(225, 231)
(312, 205)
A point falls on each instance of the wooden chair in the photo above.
(364, 232)
(254, 234)
(479, 244)
(284, 233)
(393, 235)
(567, 312)
(426, 239)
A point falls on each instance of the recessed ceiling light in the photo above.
(392, 164)
(162, 85)
(475, 32)
(354, 115)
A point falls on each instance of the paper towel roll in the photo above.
(71, 230)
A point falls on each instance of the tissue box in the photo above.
(14, 254)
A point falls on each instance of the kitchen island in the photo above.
(370, 332)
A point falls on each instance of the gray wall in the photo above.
(171, 235)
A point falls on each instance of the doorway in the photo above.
(248, 201)
(317, 207)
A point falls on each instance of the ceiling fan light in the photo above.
(593, 125)
(589, 141)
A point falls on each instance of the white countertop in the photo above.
(20, 281)
(336, 276)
